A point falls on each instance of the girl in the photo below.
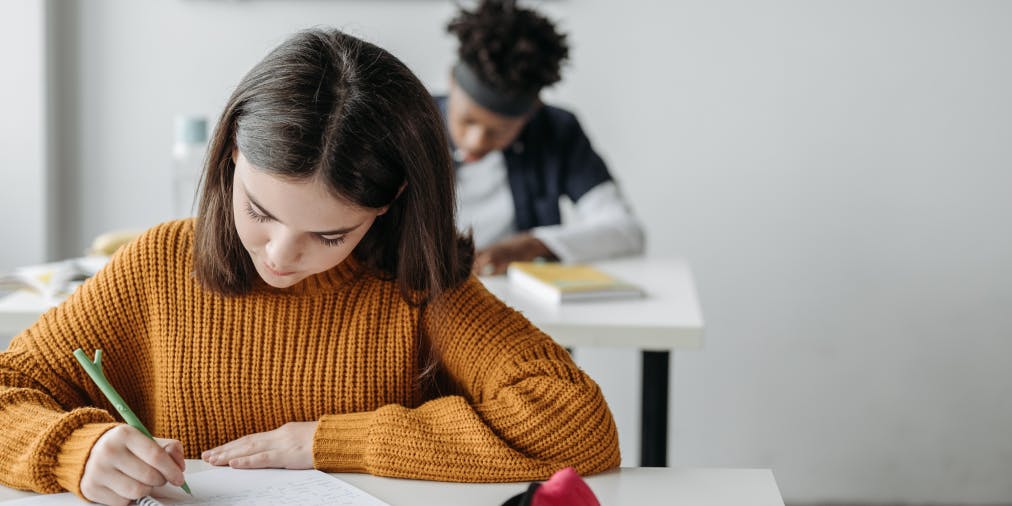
(318, 312)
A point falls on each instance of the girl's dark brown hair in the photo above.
(326, 105)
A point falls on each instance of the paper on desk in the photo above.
(227, 486)
(52, 281)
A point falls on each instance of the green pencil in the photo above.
(94, 369)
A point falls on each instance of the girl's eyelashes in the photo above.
(262, 218)
(328, 241)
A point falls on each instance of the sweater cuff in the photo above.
(341, 441)
(73, 455)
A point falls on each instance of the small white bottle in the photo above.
(188, 154)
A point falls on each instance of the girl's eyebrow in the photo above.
(338, 231)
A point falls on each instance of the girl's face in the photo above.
(293, 229)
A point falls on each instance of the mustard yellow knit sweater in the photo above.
(341, 347)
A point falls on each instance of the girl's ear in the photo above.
(386, 208)
(235, 155)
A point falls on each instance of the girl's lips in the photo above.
(278, 274)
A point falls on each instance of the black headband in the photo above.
(490, 98)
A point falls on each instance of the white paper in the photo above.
(227, 486)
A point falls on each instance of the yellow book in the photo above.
(557, 282)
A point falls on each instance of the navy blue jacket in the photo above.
(550, 157)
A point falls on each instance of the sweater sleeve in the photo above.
(524, 410)
(46, 399)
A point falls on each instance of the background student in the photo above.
(516, 156)
(318, 312)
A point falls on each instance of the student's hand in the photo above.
(522, 247)
(289, 447)
(125, 465)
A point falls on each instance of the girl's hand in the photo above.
(125, 465)
(289, 447)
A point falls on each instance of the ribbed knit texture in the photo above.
(340, 347)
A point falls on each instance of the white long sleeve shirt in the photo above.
(602, 224)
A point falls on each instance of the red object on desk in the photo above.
(564, 488)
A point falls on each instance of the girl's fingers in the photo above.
(289, 446)
(125, 464)
(135, 468)
(153, 455)
(124, 487)
(269, 458)
(246, 445)
(102, 494)
(105, 495)
(175, 450)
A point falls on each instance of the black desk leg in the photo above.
(654, 433)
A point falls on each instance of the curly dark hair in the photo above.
(513, 49)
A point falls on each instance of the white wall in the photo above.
(23, 202)
(141, 63)
(837, 172)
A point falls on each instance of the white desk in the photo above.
(18, 311)
(667, 319)
(630, 485)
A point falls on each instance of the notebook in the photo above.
(557, 282)
(256, 487)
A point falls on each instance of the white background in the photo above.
(24, 207)
(838, 173)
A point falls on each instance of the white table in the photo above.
(668, 318)
(629, 485)
(19, 310)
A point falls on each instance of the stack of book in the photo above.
(557, 282)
